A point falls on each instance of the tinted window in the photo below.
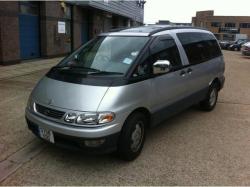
(164, 49)
(199, 47)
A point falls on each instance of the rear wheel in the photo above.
(132, 137)
(210, 101)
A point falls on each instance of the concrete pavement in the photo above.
(193, 148)
(27, 67)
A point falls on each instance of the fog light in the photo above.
(94, 143)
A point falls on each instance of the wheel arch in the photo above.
(144, 111)
(217, 82)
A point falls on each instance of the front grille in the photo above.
(49, 112)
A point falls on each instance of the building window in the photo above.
(244, 25)
(29, 7)
(231, 30)
(215, 24)
(67, 11)
(230, 24)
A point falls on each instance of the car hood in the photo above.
(68, 95)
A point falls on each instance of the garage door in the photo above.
(29, 32)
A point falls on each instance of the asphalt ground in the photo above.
(192, 148)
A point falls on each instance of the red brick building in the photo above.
(224, 27)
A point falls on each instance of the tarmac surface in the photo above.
(192, 148)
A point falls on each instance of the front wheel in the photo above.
(210, 101)
(132, 137)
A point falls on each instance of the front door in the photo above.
(169, 90)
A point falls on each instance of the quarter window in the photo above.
(199, 47)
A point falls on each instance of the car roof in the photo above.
(147, 30)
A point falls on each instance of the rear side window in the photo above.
(199, 47)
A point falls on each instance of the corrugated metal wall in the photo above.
(128, 9)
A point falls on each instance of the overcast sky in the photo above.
(184, 10)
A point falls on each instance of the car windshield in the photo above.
(105, 55)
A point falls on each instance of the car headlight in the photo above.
(30, 103)
(89, 118)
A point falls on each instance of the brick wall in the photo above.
(205, 18)
(53, 43)
(9, 33)
(77, 26)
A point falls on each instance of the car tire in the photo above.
(132, 137)
(210, 101)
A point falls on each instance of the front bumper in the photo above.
(81, 132)
(222, 81)
(75, 137)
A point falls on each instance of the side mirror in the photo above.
(161, 67)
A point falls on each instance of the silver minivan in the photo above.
(105, 95)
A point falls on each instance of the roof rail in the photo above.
(172, 28)
(155, 28)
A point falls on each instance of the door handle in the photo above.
(189, 71)
(182, 73)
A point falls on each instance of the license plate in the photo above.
(46, 135)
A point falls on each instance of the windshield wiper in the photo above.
(77, 67)
(95, 71)
(106, 73)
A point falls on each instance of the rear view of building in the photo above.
(223, 27)
(30, 30)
